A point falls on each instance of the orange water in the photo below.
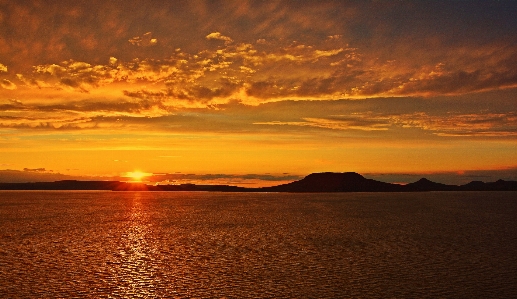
(246, 245)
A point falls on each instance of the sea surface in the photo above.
(68, 244)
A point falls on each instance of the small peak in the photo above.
(423, 180)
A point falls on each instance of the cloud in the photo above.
(82, 76)
(380, 115)
(456, 124)
(335, 37)
(323, 53)
(36, 170)
(7, 84)
(32, 82)
(275, 72)
(76, 75)
(75, 115)
(145, 41)
(31, 175)
(3, 68)
(113, 61)
(196, 111)
(352, 122)
(219, 36)
(57, 121)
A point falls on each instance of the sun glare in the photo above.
(136, 175)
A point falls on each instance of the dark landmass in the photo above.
(62, 185)
(316, 182)
(335, 182)
(354, 182)
(114, 186)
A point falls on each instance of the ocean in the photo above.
(69, 244)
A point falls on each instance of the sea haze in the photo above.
(257, 245)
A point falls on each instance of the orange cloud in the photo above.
(486, 124)
(334, 124)
(219, 36)
(450, 124)
(7, 84)
(275, 72)
(145, 41)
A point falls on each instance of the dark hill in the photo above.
(474, 186)
(426, 185)
(498, 185)
(354, 182)
(335, 182)
(62, 185)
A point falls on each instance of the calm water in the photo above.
(242, 245)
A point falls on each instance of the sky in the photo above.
(257, 93)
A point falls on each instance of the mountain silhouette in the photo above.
(354, 182)
(499, 185)
(424, 184)
(335, 182)
(315, 182)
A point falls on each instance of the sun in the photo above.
(136, 175)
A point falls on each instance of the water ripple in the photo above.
(236, 245)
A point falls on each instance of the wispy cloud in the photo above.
(31, 175)
(351, 122)
(36, 170)
(456, 124)
(77, 114)
(482, 125)
(154, 110)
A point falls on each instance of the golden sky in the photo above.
(257, 92)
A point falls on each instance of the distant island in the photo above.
(315, 182)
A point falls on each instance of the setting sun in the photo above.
(136, 175)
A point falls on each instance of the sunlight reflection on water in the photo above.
(236, 245)
(135, 268)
